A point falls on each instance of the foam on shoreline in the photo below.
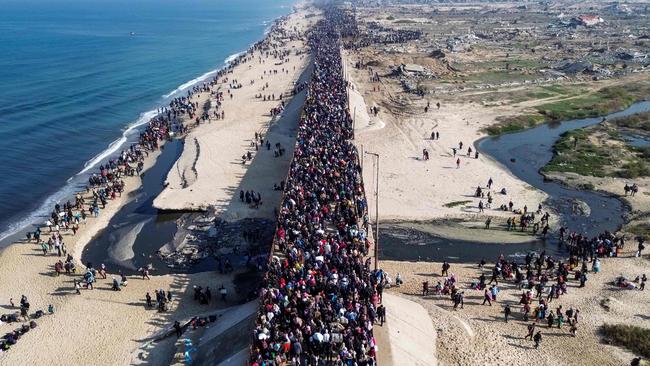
(77, 181)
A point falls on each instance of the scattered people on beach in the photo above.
(631, 189)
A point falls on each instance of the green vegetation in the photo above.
(586, 186)
(633, 169)
(593, 152)
(598, 103)
(405, 21)
(514, 123)
(578, 104)
(390, 17)
(639, 121)
(497, 77)
(636, 339)
(456, 203)
(581, 157)
(642, 229)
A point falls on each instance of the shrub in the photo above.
(636, 339)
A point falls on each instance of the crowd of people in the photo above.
(319, 297)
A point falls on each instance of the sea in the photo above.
(80, 78)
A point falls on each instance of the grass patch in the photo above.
(591, 152)
(599, 103)
(635, 339)
(405, 21)
(639, 121)
(497, 77)
(514, 123)
(586, 186)
(581, 104)
(634, 169)
(642, 229)
(456, 203)
(583, 157)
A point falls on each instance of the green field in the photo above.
(577, 152)
(579, 104)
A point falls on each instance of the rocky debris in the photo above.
(202, 235)
(437, 53)
(462, 43)
(574, 67)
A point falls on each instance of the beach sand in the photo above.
(438, 196)
(210, 170)
(408, 337)
(411, 188)
(478, 333)
(115, 327)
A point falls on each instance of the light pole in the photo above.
(376, 208)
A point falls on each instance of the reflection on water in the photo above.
(138, 230)
(525, 153)
(400, 242)
(637, 140)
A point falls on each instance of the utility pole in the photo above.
(354, 121)
(376, 209)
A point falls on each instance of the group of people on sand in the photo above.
(320, 298)
(9, 339)
(542, 280)
(631, 189)
(163, 299)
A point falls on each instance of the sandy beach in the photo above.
(406, 85)
(479, 334)
(414, 189)
(210, 171)
(319, 296)
(117, 327)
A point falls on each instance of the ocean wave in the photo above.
(114, 146)
(190, 83)
(233, 57)
(39, 216)
(183, 87)
(78, 181)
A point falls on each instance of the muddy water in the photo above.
(404, 242)
(138, 230)
(524, 154)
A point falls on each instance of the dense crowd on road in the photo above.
(319, 298)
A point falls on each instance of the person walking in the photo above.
(381, 314)
(178, 329)
(531, 331)
(538, 339)
(644, 278)
(507, 312)
(459, 300)
(487, 297)
(445, 268)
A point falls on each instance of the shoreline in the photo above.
(16, 229)
(109, 306)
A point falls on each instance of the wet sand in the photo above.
(424, 208)
(101, 324)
